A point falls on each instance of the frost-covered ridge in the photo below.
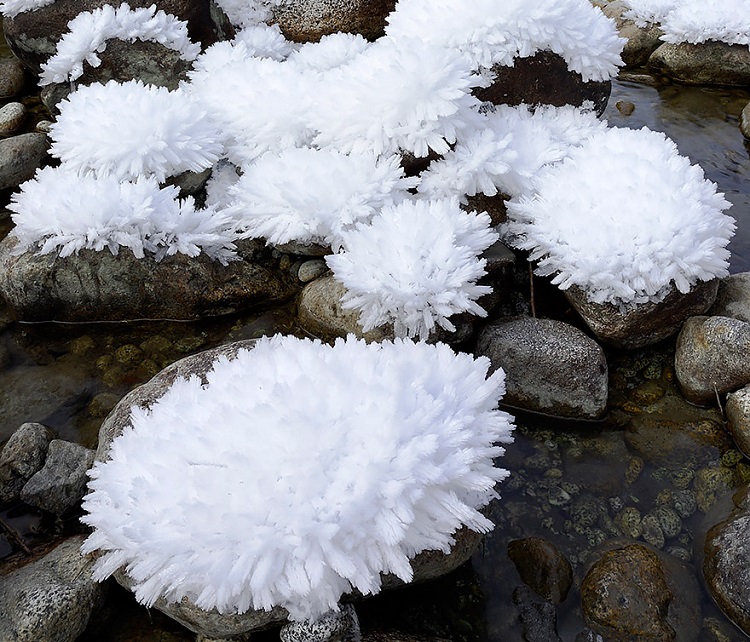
(11, 8)
(342, 462)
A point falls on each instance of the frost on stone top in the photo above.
(127, 130)
(341, 462)
(695, 21)
(492, 32)
(414, 266)
(89, 31)
(11, 8)
(625, 218)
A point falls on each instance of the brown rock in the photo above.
(543, 79)
(709, 63)
(647, 323)
(641, 41)
(542, 567)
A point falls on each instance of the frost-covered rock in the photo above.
(93, 286)
(551, 366)
(21, 457)
(284, 573)
(711, 357)
(50, 599)
(641, 41)
(20, 157)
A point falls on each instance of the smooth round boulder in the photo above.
(737, 409)
(551, 366)
(97, 286)
(733, 297)
(12, 77)
(12, 117)
(646, 323)
(711, 357)
(707, 63)
(542, 567)
(20, 157)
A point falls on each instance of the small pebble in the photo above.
(625, 107)
(652, 531)
(311, 270)
(12, 117)
(44, 126)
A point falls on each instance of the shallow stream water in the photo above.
(570, 482)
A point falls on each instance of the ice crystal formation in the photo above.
(343, 462)
(626, 218)
(11, 8)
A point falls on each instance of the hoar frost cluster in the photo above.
(373, 453)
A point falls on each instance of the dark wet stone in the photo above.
(542, 567)
(737, 409)
(711, 357)
(733, 298)
(550, 366)
(96, 286)
(538, 617)
(709, 63)
(61, 483)
(12, 77)
(644, 324)
(745, 121)
(641, 41)
(543, 79)
(50, 599)
(33, 35)
(493, 205)
(21, 457)
(310, 20)
(20, 157)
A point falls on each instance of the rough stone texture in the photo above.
(426, 566)
(641, 42)
(745, 121)
(542, 567)
(21, 457)
(332, 627)
(733, 298)
(538, 617)
(550, 366)
(634, 594)
(96, 286)
(12, 117)
(311, 270)
(51, 599)
(61, 483)
(712, 357)
(310, 20)
(543, 79)
(12, 77)
(20, 157)
(737, 409)
(494, 206)
(320, 313)
(709, 63)
(33, 35)
(647, 323)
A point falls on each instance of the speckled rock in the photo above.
(647, 323)
(542, 567)
(12, 117)
(61, 483)
(20, 157)
(311, 270)
(310, 20)
(634, 594)
(708, 63)
(543, 79)
(745, 121)
(21, 457)
(332, 627)
(737, 409)
(96, 286)
(733, 297)
(12, 77)
(641, 41)
(538, 617)
(550, 366)
(711, 357)
(50, 599)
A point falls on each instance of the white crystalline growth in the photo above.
(264, 41)
(61, 211)
(89, 31)
(313, 196)
(247, 13)
(415, 265)
(298, 472)
(127, 130)
(11, 8)
(625, 218)
(695, 21)
(493, 32)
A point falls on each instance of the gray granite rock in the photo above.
(96, 286)
(550, 366)
(737, 409)
(21, 457)
(712, 357)
(337, 626)
(733, 297)
(61, 483)
(50, 599)
(644, 324)
(12, 117)
(12, 77)
(708, 63)
(20, 157)
(311, 270)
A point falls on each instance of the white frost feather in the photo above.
(342, 462)
(11, 8)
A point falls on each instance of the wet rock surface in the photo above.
(22, 456)
(708, 63)
(733, 297)
(550, 366)
(641, 42)
(542, 567)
